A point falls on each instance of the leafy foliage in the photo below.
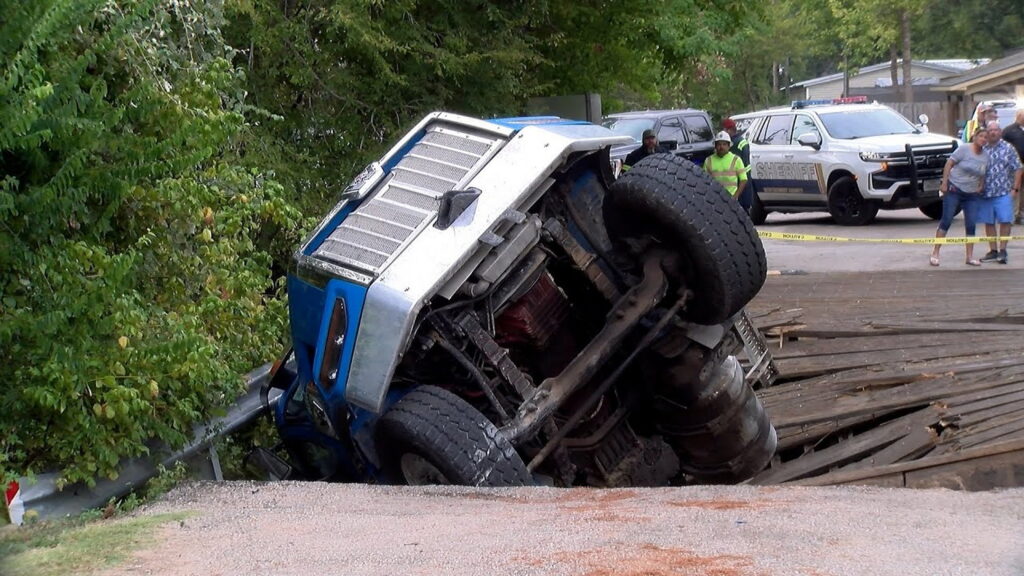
(134, 286)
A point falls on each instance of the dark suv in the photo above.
(686, 132)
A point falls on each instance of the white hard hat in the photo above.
(723, 136)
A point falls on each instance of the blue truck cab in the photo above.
(487, 305)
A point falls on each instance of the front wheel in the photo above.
(933, 210)
(432, 436)
(847, 206)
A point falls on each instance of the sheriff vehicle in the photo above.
(845, 155)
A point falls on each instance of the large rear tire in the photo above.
(933, 210)
(677, 203)
(432, 436)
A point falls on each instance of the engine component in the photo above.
(535, 317)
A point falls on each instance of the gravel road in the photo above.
(244, 528)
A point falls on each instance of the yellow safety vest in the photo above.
(727, 170)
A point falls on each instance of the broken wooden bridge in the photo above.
(909, 378)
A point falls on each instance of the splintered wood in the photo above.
(901, 379)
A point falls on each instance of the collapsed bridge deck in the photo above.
(899, 378)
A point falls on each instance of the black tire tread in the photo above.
(453, 435)
(670, 195)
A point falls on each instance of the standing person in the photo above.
(649, 145)
(1014, 134)
(963, 179)
(740, 147)
(983, 114)
(725, 167)
(1002, 183)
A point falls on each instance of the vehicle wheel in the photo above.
(678, 204)
(933, 210)
(847, 206)
(432, 436)
(758, 214)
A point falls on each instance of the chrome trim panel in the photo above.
(415, 275)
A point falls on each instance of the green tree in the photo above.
(133, 285)
(969, 29)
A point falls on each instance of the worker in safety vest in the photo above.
(725, 167)
(983, 114)
(741, 148)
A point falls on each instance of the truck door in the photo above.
(670, 134)
(699, 138)
(783, 169)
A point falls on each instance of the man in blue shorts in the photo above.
(1002, 184)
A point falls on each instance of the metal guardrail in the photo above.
(41, 495)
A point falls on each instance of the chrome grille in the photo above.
(411, 198)
(395, 213)
(444, 159)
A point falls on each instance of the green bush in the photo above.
(135, 265)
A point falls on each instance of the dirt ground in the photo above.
(314, 528)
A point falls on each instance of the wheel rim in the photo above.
(850, 204)
(418, 471)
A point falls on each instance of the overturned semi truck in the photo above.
(487, 305)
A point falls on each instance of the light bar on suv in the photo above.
(830, 101)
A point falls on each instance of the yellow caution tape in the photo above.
(819, 238)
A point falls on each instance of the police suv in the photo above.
(843, 155)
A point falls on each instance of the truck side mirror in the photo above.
(263, 463)
(812, 139)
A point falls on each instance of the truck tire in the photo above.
(432, 436)
(933, 210)
(758, 214)
(847, 206)
(678, 204)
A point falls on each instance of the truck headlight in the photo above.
(333, 344)
(875, 156)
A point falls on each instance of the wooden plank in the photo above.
(1011, 426)
(915, 444)
(1014, 448)
(959, 401)
(847, 450)
(812, 365)
(793, 436)
(818, 347)
(968, 419)
(954, 327)
(992, 472)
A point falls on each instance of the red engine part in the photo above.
(535, 317)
